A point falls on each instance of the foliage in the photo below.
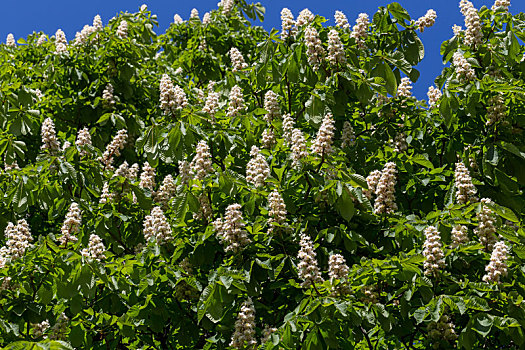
(185, 287)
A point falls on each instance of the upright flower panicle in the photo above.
(504, 4)
(298, 146)
(464, 71)
(257, 169)
(473, 33)
(10, 40)
(287, 23)
(305, 17)
(434, 95)
(336, 51)
(147, 177)
(403, 90)
(95, 249)
(348, 135)
(122, 30)
(324, 139)
(340, 20)
(496, 110)
(49, 137)
(206, 19)
(288, 126)
(268, 138)
(212, 104)
(338, 270)
(314, 47)
(237, 60)
(459, 236)
(307, 267)
(360, 30)
(177, 19)
(97, 23)
(271, 104)
(205, 211)
(107, 95)
(427, 20)
(236, 104)
(71, 225)
(385, 202)
(201, 164)
(60, 42)
(244, 335)
(194, 14)
(497, 267)
(106, 195)
(114, 148)
(41, 40)
(18, 240)
(166, 191)
(465, 190)
(372, 180)
(230, 230)
(277, 210)
(156, 227)
(486, 230)
(433, 252)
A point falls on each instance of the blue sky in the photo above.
(23, 17)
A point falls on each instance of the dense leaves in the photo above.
(283, 197)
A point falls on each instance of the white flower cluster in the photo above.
(122, 30)
(230, 230)
(305, 17)
(496, 110)
(49, 136)
(212, 104)
(287, 23)
(83, 139)
(308, 269)
(299, 150)
(433, 252)
(60, 42)
(65, 146)
(360, 30)
(237, 60)
(497, 266)
(206, 19)
(323, 141)
(95, 249)
(314, 47)
(12, 166)
(18, 240)
(486, 230)
(257, 169)
(244, 335)
(434, 94)
(10, 40)
(123, 170)
(107, 95)
(456, 29)
(106, 195)
(41, 40)
(236, 103)
(465, 190)
(336, 51)
(338, 270)
(114, 148)
(59, 329)
(459, 236)
(427, 20)
(201, 164)
(166, 191)
(442, 330)
(147, 177)
(184, 171)
(156, 227)
(464, 71)
(81, 38)
(267, 333)
(370, 294)
(400, 143)
(348, 135)
(40, 328)
(71, 225)
(403, 90)
(177, 19)
(340, 20)
(501, 4)
(97, 23)
(271, 104)
(385, 202)
(205, 211)
(277, 210)
(268, 138)
(372, 180)
(194, 14)
(473, 33)
(288, 125)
